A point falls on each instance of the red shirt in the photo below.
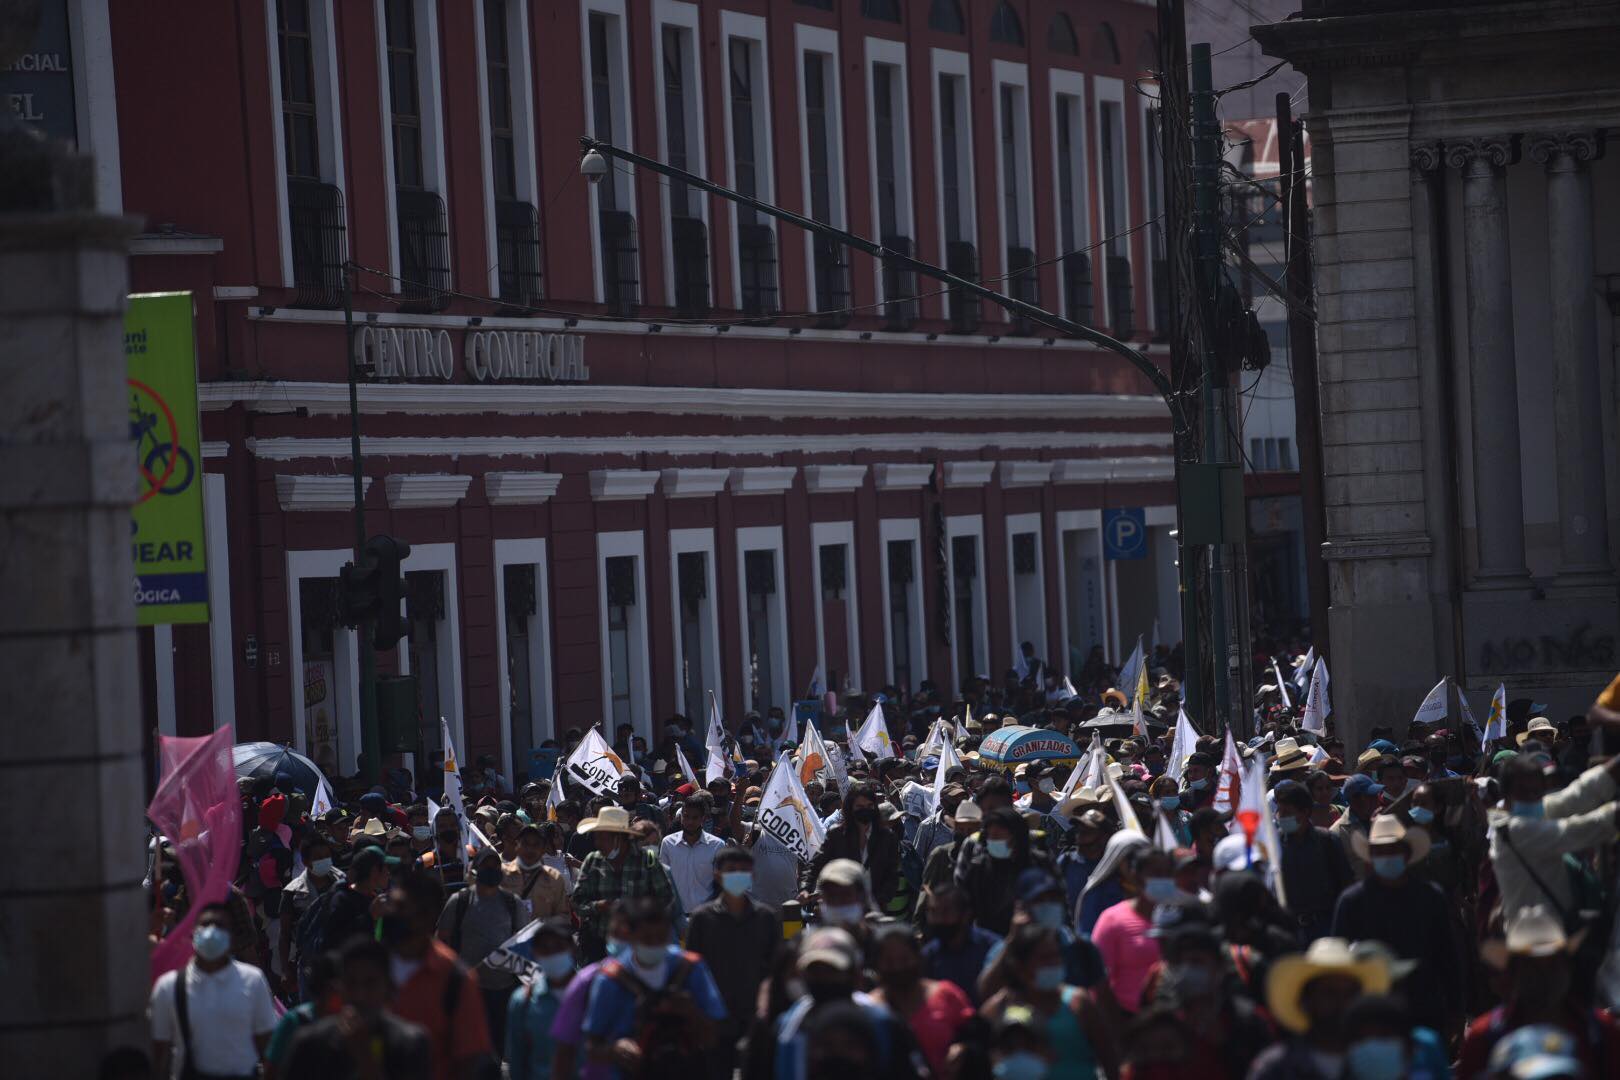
(944, 1009)
(421, 998)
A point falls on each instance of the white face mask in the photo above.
(842, 914)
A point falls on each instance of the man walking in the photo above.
(214, 1016)
(474, 923)
(615, 870)
(688, 855)
(737, 936)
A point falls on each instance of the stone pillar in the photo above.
(1493, 382)
(1583, 525)
(73, 915)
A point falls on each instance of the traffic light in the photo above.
(385, 554)
(357, 592)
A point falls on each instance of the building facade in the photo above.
(1465, 260)
(646, 445)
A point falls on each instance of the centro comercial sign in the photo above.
(429, 353)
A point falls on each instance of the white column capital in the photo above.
(1484, 155)
(1565, 150)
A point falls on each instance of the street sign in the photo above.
(1125, 533)
(171, 573)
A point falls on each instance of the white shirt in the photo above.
(225, 1010)
(690, 866)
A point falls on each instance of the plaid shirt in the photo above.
(640, 874)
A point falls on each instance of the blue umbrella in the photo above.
(282, 765)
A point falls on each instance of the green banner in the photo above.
(171, 573)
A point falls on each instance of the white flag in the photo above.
(322, 802)
(452, 779)
(1433, 710)
(1181, 747)
(936, 738)
(1091, 770)
(1164, 837)
(556, 796)
(1123, 807)
(816, 689)
(1020, 665)
(838, 763)
(1467, 713)
(1496, 723)
(947, 761)
(714, 744)
(785, 813)
(790, 733)
(595, 766)
(1317, 706)
(1128, 675)
(873, 737)
(854, 747)
(1302, 677)
(1282, 684)
(1259, 826)
(815, 762)
(687, 772)
(1230, 778)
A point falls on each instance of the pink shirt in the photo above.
(944, 1009)
(1121, 935)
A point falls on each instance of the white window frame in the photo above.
(520, 76)
(221, 649)
(956, 64)
(819, 39)
(910, 530)
(619, 174)
(1071, 84)
(1106, 91)
(968, 525)
(831, 534)
(734, 24)
(1151, 516)
(688, 542)
(1071, 521)
(1003, 74)
(762, 538)
(328, 119)
(683, 14)
(441, 557)
(1017, 524)
(430, 90)
(95, 99)
(611, 545)
(326, 563)
(892, 53)
(543, 715)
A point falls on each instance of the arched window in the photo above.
(1147, 54)
(1005, 26)
(946, 17)
(885, 10)
(1106, 47)
(1060, 36)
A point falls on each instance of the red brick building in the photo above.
(645, 445)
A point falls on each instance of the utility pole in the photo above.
(370, 735)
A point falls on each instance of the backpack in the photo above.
(668, 1047)
(463, 900)
(309, 936)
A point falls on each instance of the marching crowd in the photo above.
(883, 892)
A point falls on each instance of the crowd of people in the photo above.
(1432, 903)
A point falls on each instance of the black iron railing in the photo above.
(424, 249)
(1076, 270)
(962, 259)
(1023, 283)
(832, 280)
(756, 266)
(689, 243)
(621, 286)
(1121, 315)
(517, 251)
(899, 287)
(319, 243)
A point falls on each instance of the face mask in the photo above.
(618, 948)
(1198, 785)
(421, 832)
(746, 739)
(1421, 815)
(490, 876)
(525, 865)
(1047, 786)
(1170, 802)
(842, 914)
(1529, 809)
(1020, 1066)
(1287, 824)
(1192, 980)
(1389, 867)
(1159, 890)
(1049, 913)
(649, 955)
(556, 966)
(865, 815)
(211, 942)
(1377, 1059)
(321, 867)
(998, 848)
(737, 882)
(1049, 978)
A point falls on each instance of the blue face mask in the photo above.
(1160, 890)
(1389, 867)
(1529, 809)
(619, 948)
(1020, 1066)
(1198, 785)
(1287, 824)
(1049, 978)
(556, 966)
(211, 942)
(998, 848)
(1377, 1059)
(737, 882)
(1049, 914)
(1170, 802)
(1421, 815)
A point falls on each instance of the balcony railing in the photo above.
(689, 241)
(1121, 316)
(1023, 283)
(832, 281)
(424, 249)
(1161, 299)
(1077, 287)
(899, 287)
(962, 259)
(756, 266)
(319, 242)
(621, 286)
(517, 251)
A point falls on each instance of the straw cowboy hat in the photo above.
(1289, 756)
(610, 819)
(1326, 956)
(1081, 800)
(1387, 829)
(1535, 933)
(1113, 694)
(1539, 726)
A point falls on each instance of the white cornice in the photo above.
(297, 492)
(899, 476)
(216, 449)
(1099, 470)
(968, 473)
(449, 399)
(763, 479)
(520, 488)
(610, 484)
(694, 483)
(1024, 473)
(175, 244)
(425, 491)
(285, 448)
(820, 479)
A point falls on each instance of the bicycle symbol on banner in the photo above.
(166, 467)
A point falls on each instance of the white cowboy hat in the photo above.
(1387, 829)
(614, 819)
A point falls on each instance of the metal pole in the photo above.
(1206, 139)
(370, 736)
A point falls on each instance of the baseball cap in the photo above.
(366, 861)
(968, 810)
(1035, 882)
(844, 872)
(1362, 784)
(830, 945)
(1233, 853)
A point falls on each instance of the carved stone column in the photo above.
(1493, 382)
(1578, 435)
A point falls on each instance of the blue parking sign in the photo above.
(1125, 533)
